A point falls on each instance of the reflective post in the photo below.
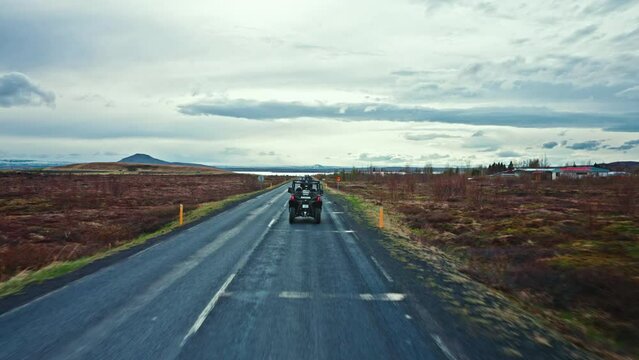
(181, 214)
(381, 217)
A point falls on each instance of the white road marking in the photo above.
(295, 295)
(315, 231)
(271, 223)
(408, 316)
(443, 347)
(305, 295)
(382, 297)
(381, 269)
(200, 319)
(145, 250)
(338, 212)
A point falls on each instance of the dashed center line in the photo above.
(295, 295)
(304, 295)
(316, 231)
(207, 310)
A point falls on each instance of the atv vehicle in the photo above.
(306, 199)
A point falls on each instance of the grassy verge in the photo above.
(59, 268)
(368, 212)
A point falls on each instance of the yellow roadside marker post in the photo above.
(181, 214)
(381, 217)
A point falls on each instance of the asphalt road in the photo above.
(242, 284)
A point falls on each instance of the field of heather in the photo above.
(57, 217)
(567, 250)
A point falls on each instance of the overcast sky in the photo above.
(385, 82)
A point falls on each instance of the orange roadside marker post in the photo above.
(181, 214)
(381, 217)
(338, 179)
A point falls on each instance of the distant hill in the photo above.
(143, 159)
(139, 163)
(148, 159)
(136, 168)
(628, 166)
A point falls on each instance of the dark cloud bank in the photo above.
(628, 145)
(17, 89)
(590, 145)
(518, 117)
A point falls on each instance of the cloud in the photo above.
(479, 133)
(267, 153)
(626, 146)
(434, 156)
(629, 93)
(233, 151)
(627, 36)
(508, 154)
(607, 6)
(580, 34)
(552, 79)
(95, 98)
(106, 153)
(16, 89)
(486, 7)
(590, 145)
(489, 149)
(405, 73)
(382, 158)
(432, 5)
(518, 117)
(426, 137)
(520, 41)
(550, 145)
(429, 89)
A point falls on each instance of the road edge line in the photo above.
(207, 310)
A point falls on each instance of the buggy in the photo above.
(306, 199)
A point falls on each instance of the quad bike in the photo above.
(306, 199)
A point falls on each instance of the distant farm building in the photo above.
(552, 173)
(538, 173)
(583, 171)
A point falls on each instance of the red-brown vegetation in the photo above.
(568, 249)
(48, 217)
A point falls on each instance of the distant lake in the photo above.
(283, 173)
(17, 164)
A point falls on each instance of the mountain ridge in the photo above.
(139, 158)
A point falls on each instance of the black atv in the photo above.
(306, 199)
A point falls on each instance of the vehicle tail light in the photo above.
(292, 197)
(318, 199)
